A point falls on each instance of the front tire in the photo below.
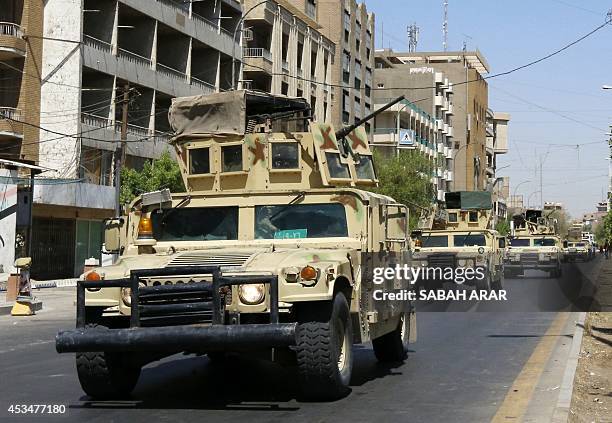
(106, 375)
(324, 353)
(393, 346)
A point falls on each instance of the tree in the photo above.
(159, 174)
(406, 177)
(503, 226)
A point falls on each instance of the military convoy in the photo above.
(461, 236)
(577, 246)
(534, 244)
(269, 251)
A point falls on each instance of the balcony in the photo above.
(134, 58)
(206, 87)
(171, 72)
(10, 127)
(449, 131)
(257, 59)
(92, 42)
(450, 110)
(448, 175)
(438, 101)
(11, 42)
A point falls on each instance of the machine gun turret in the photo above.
(348, 129)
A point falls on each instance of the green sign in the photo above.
(291, 234)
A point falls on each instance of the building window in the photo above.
(311, 8)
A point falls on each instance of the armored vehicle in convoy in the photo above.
(534, 244)
(460, 236)
(269, 252)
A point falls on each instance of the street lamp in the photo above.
(531, 195)
(516, 188)
(239, 25)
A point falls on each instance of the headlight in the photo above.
(462, 262)
(126, 296)
(544, 257)
(481, 259)
(252, 293)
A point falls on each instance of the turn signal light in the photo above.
(145, 228)
(308, 273)
(93, 276)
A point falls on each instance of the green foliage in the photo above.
(603, 231)
(503, 227)
(406, 178)
(161, 173)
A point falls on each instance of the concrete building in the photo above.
(497, 141)
(424, 120)
(159, 48)
(516, 202)
(21, 28)
(351, 28)
(285, 53)
(465, 71)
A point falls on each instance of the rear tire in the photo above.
(106, 375)
(393, 347)
(324, 353)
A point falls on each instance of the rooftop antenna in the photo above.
(465, 41)
(445, 26)
(413, 37)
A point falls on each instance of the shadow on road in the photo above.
(237, 383)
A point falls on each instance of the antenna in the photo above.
(445, 26)
(413, 37)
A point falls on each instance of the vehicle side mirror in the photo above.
(396, 223)
(112, 235)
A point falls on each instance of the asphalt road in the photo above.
(463, 367)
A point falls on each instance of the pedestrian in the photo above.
(607, 248)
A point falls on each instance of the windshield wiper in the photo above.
(465, 239)
(297, 198)
(173, 209)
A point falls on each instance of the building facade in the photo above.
(465, 71)
(351, 28)
(21, 29)
(497, 141)
(95, 50)
(285, 53)
(424, 120)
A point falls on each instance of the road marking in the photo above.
(517, 399)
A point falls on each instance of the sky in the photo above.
(559, 112)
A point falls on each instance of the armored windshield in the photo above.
(292, 221)
(469, 240)
(429, 241)
(196, 224)
(544, 242)
(519, 242)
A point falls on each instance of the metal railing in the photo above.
(10, 29)
(90, 41)
(134, 58)
(257, 52)
(206, 87)
(10, 113)
(171, 72)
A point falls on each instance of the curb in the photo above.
(66, 283)
(561, 413)
(5, 310)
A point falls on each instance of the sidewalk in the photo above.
(591, 398)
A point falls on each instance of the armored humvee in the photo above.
(268, 252)
(534, 244)
(460, 236)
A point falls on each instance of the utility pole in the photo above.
(445, 26)
(120, 151)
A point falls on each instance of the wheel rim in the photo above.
(342, 353)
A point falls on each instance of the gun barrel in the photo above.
(347, 130)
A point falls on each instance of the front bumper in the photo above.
(536, 266)
(178, 317)
(176, 338)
